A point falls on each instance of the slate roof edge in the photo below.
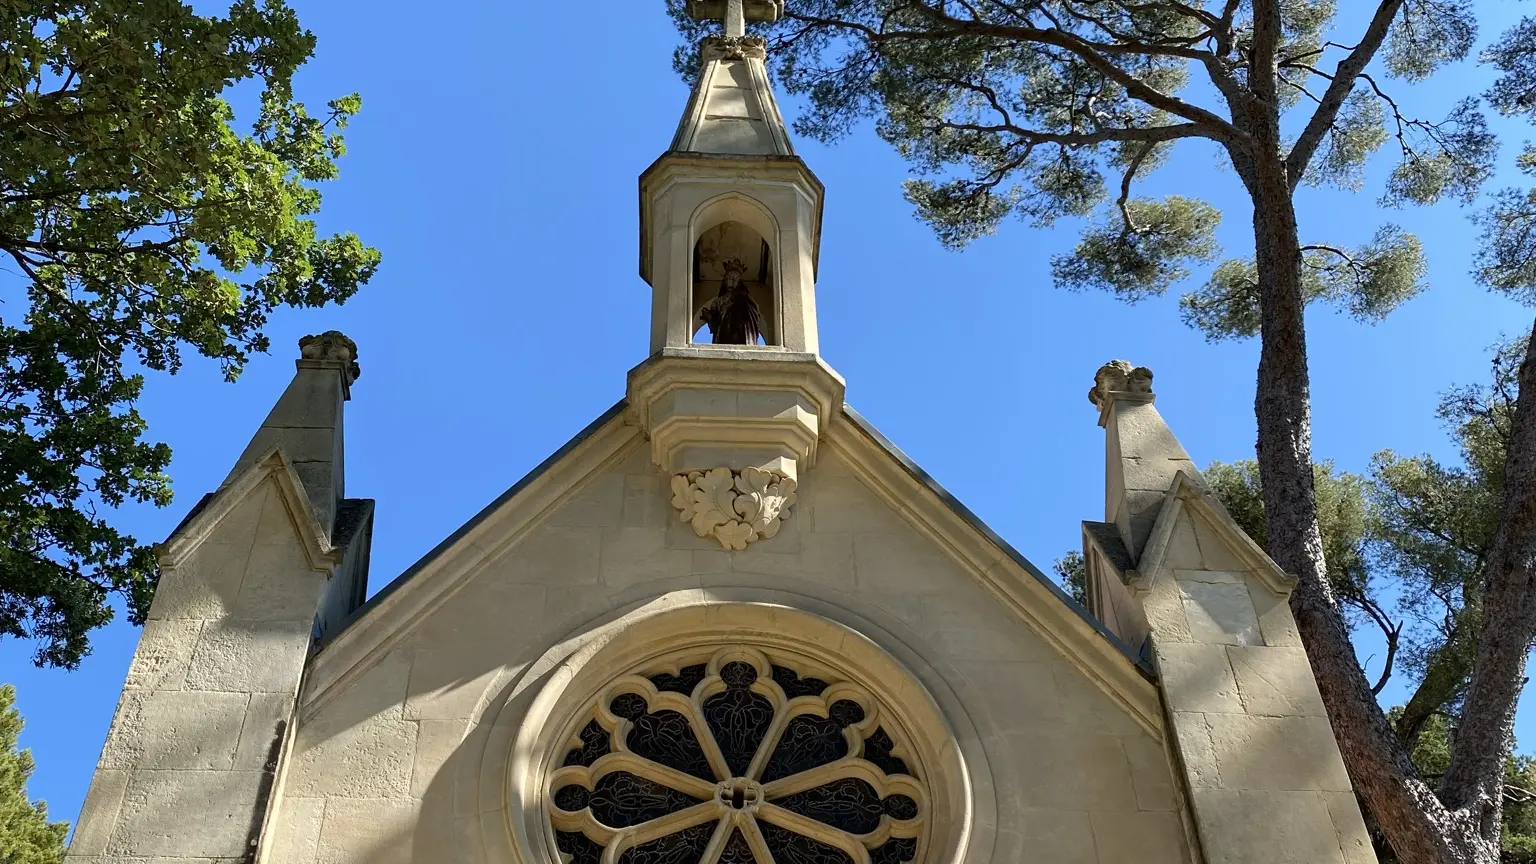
(1137, 658)
(485, 512)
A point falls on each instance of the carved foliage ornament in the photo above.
(735, 48)
(1119, 376)
(735, 508)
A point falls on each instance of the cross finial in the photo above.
(735, 13)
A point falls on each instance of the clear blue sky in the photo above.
(495, 165)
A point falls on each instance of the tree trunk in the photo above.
(1420, 830)
(1475, 780)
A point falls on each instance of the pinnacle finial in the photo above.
(332, 346)
(1118, 378)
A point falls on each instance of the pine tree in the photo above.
(26, 835)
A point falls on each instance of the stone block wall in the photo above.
(188, 760)
(1266, 782)
(398, 760)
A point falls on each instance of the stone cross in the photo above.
(735, 18)
(734, 13)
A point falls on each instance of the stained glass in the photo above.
(793, 685)
(811, 742)
(685, 847)
(877, 749)
(850, 805)
(683, 682)
(576, 845)
(594, 745)
(621, 799)
(667, 738)
(738, 721)
(895, 851)
(738, 717)
(791, 848)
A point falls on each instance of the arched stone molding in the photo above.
(736, 207)
(753, 214)
(531, 718)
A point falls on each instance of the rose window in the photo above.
(737, 757)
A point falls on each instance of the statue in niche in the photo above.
(733, 317)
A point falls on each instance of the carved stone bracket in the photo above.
(735, 507)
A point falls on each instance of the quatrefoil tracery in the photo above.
(736, 759)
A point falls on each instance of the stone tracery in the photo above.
(736, 757)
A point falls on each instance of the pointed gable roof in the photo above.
(732, 111)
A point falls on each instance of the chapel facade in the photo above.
(727, 623)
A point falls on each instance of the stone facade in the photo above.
(732, 510)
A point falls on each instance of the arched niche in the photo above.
(735, 227)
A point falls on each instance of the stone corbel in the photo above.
(735, 507)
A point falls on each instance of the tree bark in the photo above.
(1475, 780)
(1411, 817)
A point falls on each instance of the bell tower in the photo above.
(730, 225)
(731, 190)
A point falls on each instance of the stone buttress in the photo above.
(1169, 569)
(274, 558)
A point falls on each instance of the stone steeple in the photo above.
(730, 189)
(727, 210)
(732, 110)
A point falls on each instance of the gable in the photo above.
(1060, 729)
(593, 528)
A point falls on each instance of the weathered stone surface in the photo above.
(294, 834)
(98, 815)
(1057, 836)
(1276, 681)
(1198, 677)
(1164, 610)
(1246, 827)
(279, 585)
(364, 831)
(563, 555)
(1220, 612)
(970, 625)
(154, 820)
(1214, 549)
(263, 717)
(165, 649)
(358, 744)
(1354, 839)
(1196, 749)
(634, 555)
(1277, 753)
(1183, 549)
(372, 758)
(1150, 773)
(598, 504)
(436, 742)
(898, 563)
(176, 730)
(206, 585)
(249, 656)
(447, 684)
(1276, 621)
(1139, 838)
(1062, 769)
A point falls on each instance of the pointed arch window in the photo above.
(737, 756)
